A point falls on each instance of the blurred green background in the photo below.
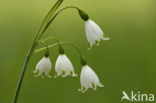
(126, 62)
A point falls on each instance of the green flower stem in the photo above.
(21, 79)
(42, 49)
(44, 24)
(59, 13)
(48, 38)
(47, 50)
(61, 50)
(54, 45)
(35, 42)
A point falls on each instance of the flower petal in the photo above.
(89, 79)
(64, 66)
(94, 33)
(43, 67)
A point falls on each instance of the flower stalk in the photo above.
(82, 59)
(44, 65)
(35, 42)
(68, 7)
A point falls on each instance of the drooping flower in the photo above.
(88, 79)
(94, 33)
(43, 67)
(64, 66)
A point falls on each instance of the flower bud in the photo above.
(83, 15)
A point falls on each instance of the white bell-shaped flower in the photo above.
(94, 33)
(43, 67)
(64, 66)
(88, 79)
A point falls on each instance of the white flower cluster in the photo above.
(64, 67)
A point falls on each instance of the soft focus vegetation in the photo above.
(126, 62)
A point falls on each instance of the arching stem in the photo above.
(59, 13)
(35, 42)
(48, 38)
(82, 60)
